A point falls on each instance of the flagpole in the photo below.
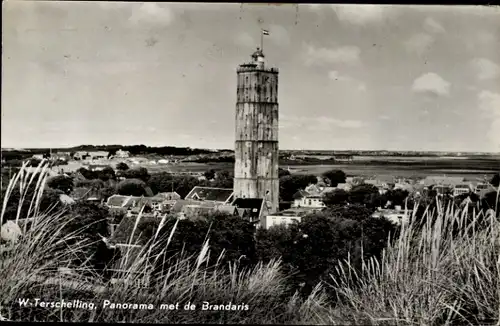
(262, 41)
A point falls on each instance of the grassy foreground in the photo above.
(444, 270)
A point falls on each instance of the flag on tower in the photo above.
(265, 32)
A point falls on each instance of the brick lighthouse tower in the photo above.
(256, 148)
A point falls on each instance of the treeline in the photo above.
(143, 149)
(133, 149)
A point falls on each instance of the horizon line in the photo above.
(225, 149)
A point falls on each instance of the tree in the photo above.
(334, 177)
(495, 180)
(106, 174)
(87, 174)
(229, 234)
(122, 166)
(272, 243)
(61, 182)
(283, 172)
(489, 201)
(209, 174)
(223, 179)
(131, 187)
(136, 173)
(397, 197)
(166, 182)
(50, 200)
(363, 194)
(336, 197)
(290, 184)
(34, 162)
(88, 222)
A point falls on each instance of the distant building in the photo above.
(303, 198)
(396, 216)
(95, 167)
(211, 194)
(168, 195)
(285, 217)
(344, 186)
(343, 158)
(251, 209)
(312, 196)
(482, 186)
(99, 155)
(442, 181)
(62, 156)
(461, 189)
(158, 204)
(87, 194)
(122, 154)
(81, 155)
(382, 186)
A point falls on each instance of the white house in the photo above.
(312, 196)
(396, 216)
(122, 154)
(271, 220)
(461, 189)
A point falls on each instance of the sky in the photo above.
(352, 77)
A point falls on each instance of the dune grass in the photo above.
(444, 270)
(30, 270)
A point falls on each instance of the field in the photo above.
(469, 167)
(364, 165)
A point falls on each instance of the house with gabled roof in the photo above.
(156, 203)
(251, 209)
(168, 195)
(88, 194)
(442, 181)
(212, 194)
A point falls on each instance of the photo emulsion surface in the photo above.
(250, 163)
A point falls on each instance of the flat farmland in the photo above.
(395, 166)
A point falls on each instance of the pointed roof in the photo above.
(210, 194)
(252, 206)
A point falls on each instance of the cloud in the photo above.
(150, 12)
(105, 68)
(335, 75)
(245, 40)
(432, 26)
(278, 35)
(362, 14)
(318, 123)
(489, 103)
(419, 43)
(346, 55)
(431, 83)
(486, 69)
(385, 117)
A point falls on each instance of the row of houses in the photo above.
(312, 196)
